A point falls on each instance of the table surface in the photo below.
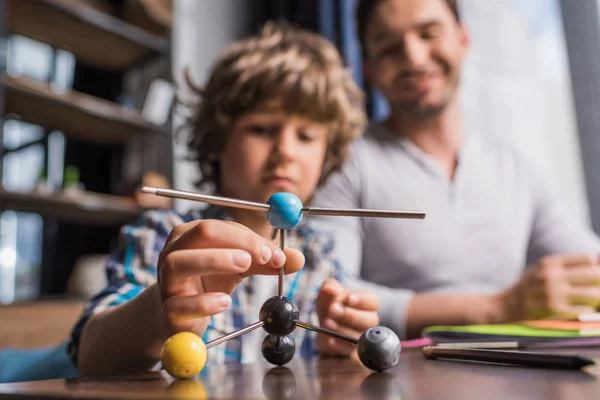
(333, 378)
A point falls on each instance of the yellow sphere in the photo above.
(183, 355)
(187, 389)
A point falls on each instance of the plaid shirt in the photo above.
(133, 267)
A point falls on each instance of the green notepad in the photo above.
(499, 331)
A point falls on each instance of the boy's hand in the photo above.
(559, 284)
(346, 312)
(202, 262)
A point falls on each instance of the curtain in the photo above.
(581, 25)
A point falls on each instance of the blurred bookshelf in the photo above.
(77, 111)
(90, 34)
(76, 207)
(85, 117)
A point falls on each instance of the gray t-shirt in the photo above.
(483, 227)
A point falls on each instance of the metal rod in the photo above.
(282, 269)
(358, 212)
(325, 332)
(216, 200)
(235, 334)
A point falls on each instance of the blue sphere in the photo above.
(285, 210)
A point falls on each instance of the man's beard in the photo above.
(424, 111)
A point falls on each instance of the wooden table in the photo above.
(413, 378)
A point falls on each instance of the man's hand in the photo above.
(346, 312)
(561, 284)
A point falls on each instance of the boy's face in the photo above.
(269, 152)
(414, 52)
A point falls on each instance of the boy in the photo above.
(277, 114)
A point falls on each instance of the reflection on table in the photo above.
(332, 378)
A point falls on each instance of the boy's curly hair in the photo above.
(300, 70)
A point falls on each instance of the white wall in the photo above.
(202, 28)
(517, 85)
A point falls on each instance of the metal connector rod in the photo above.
(358, 212)
(235, 334)
(282, 269)
(216, 200)
(326, 332)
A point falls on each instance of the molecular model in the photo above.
(184, 354)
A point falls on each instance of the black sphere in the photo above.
(279, 315)
(279, 383)
(380, 385)
(379, 348)
(278, 350)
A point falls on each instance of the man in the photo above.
(489, 215)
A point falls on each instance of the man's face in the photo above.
(414, 52)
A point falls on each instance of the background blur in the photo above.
(87, 90)
(517, 79)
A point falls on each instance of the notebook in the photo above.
(522, 332)
(575, 327)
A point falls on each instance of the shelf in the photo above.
(93, 36)
(76, 114)
(82, 207)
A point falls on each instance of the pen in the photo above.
(481, 345)
(528, 359)
(525, 345)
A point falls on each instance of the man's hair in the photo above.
(365, 9)
(298, 70)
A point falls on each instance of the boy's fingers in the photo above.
(335, 347)
(340, 343)
(179, 230)
(332, 346)
(332, 287)
(294, 263)
(331, 290)
(362, 301)
(342, 347)
(215, 234)
(341, 329)
(183, 264)
(352, 318)
(178, 310)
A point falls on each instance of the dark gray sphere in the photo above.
(279, 315)
(382, 386)
(279, 383)
(278, 350)
(379, 348)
